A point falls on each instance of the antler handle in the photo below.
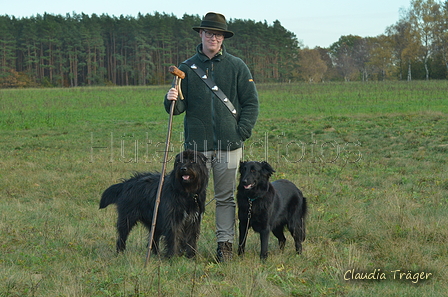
(175, 71)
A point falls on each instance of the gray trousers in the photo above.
(224, 167)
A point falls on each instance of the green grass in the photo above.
(371, 159)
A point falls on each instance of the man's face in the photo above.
(211, 40)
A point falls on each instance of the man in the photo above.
(210, 124)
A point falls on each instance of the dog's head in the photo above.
(190, 170)
(254, 175)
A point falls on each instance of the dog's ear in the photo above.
(267, 168)
(202, 157)
(242, 164)
(178, 158)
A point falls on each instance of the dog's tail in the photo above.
(304, 207)
(304, 213)
(110, 196)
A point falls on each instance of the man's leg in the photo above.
(225, 168)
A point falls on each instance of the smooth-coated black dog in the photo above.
(182, 204)
(267, 206)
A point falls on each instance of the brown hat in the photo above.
(216, 22)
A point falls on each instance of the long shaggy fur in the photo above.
(182, 204)
(267, 206)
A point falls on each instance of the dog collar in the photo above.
(255, 198)
(195, 197)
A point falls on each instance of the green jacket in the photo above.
(208, 124)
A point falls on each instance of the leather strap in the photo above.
(212, 85)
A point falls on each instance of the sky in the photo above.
(315, 23)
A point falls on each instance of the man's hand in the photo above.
(172, 94)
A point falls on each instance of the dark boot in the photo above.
(224, 251)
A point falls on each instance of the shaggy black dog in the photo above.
(182, 204)
(266, 207)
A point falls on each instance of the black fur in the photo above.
(274, 206)
(182, 204)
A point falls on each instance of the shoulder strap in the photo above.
(211, 84)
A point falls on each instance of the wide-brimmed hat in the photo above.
(216, 22)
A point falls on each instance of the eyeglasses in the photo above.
(219, 36)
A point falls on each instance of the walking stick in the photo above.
(178, 76)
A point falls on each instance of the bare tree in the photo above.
(342, 55)
(312, 67)
(380, 56)
(423, 18)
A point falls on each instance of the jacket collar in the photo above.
(217, 57)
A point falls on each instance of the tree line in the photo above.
(416, 47)
(80, 50)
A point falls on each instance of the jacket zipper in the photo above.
(215, 140)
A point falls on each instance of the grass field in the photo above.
(371, 159)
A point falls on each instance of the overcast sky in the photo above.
(315, 23)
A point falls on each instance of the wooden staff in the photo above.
(178, 76)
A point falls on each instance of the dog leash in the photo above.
(210, 202)
(249, 216)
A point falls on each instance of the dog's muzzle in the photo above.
(185, 174)
(248, 186)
